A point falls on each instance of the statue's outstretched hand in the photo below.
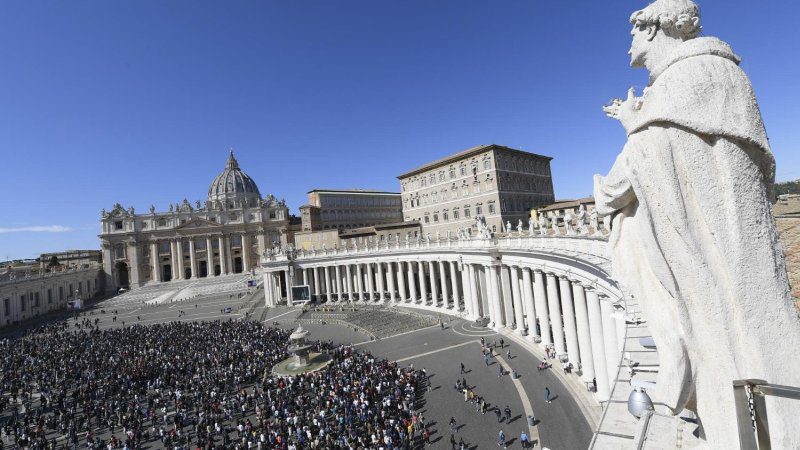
(624, 110)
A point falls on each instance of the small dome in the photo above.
(233, 184)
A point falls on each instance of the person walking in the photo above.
(500, 372)
(523, 439)
(547, 394)
(498, 414)
(507, 411)
(462, 369)
(453, 426)
(501, 439)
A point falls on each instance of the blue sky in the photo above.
(137, 102)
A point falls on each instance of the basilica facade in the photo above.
(226, 234)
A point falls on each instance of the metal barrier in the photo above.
(751, 410)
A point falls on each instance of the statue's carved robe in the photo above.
(694, 240)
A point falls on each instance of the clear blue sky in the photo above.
(137, 102)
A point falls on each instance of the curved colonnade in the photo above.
(556, 291)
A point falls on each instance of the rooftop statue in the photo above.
(693, 236)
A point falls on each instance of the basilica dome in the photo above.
(233, 186)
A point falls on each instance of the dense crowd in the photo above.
(197, 385)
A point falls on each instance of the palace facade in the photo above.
(226, 234)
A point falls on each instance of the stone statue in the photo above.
(171, 208)
(568, 223)
(520, 227)
(438, 236)
(530, 226)
(509, 229)
(543, 224)
(554, 223)
(197, 204)
(131, 211)
(693, 234)
(152, 209)
(593, 222)
(580, 219)
(103, 213)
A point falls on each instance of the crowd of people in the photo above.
(197, 385)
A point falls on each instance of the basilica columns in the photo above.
(223, 267)
(245, 253)
(412, 289)
(401, 284)
(530, 309)
(155, 262)
(192, 258)
(555, 314)
(584, 338)
(598, 345)
(210, 258)
(540, 299)
(454, 286)
(443, 284)
(518, 313)
(423, 288)
(570, 327)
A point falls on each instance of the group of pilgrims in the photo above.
(197, 385)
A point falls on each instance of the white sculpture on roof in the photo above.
(693, 234)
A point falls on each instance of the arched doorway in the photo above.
(187, 273)
(166, 272)
(122, 274)
(237, 265)
(203, 269)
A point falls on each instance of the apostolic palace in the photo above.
(226, 234)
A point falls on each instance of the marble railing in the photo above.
(593, 247)
(9, 279)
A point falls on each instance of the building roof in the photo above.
(465, 154)
(350, 191)
(568, 203)
(232, 183)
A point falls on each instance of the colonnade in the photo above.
(223, 256)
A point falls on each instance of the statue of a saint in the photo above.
(542, 224)
(568, 223)
(593, 223)
(520, 227)
(554, 223)
(693, 234)
(580, 219)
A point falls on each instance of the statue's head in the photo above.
(661, 25)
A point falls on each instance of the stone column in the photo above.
(181, 265)
(327, 283)
(289, 283)
(530, 309)
(454, 284)
(338, 283)
(434, 285)
(467, 305)
(269, 290)
(519, 316)
(554, 305)
(210, 258)
(381, 287)
(192, 257)
(349, 273)
(245, 253)
(471, 292)
(155, 262)
(423, 285)
(570, 326)
(584, 338)
(506, 301)
(598, 345)
(412, 288)
(613, 355)
(305, 276)
(401, 283)
(229, 255)
(540, 298)
(133, 259)
(173, 259)
(223, 267)
(493, 275)
(316, 282)
(443, 283)
(370, 283)
(359, 284)
(390, 281)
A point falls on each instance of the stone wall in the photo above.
(789, 229)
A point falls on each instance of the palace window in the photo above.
(118, 225)
(478, 210)
(463, 170)
(433, 179)
(61, 293)
(452, 172)
(119, 251)
(435, 217)
(467, 212)
(162, 222)
(49, 296)
(445, 216)
(455, 214)
(487, 164)
(23, 304)
(491, 208)
(441, 176)
(427, 219)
